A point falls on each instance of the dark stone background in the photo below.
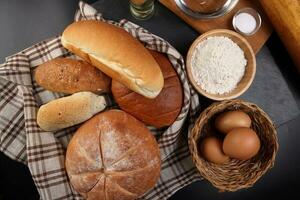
(275, 89)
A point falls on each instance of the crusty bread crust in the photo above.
(113, 156)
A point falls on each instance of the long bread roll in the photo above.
(68, 111)
(116, 53)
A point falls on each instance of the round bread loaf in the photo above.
(113, 156)
(115, 52)
(160, 111)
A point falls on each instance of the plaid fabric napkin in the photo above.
(44, 152)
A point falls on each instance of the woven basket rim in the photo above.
(206, 173)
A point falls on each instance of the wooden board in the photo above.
(285, 17)
(257, 40)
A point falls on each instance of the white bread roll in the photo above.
(116, 53)
(68, 111)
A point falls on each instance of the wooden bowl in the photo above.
(248, 77)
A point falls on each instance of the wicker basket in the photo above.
(235, 174)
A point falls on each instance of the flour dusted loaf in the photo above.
(163, 109)
(113, 156)
(116, 53)
(68, 111)
(70, 76)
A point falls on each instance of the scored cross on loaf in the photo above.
(113, 156)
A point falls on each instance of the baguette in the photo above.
(70, 76)
(116, 53)
(68, 111)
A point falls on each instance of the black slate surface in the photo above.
(270, 90)
(275, 89)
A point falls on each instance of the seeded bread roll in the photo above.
(116, 53)
(70, 76)
(68, 111)
(162, 110)
(113, 156)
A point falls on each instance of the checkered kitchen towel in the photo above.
(44, 152)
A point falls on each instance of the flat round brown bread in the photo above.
(161, 111)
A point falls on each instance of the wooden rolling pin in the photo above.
(285, 17)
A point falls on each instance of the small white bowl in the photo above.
(251, 12)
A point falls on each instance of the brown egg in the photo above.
(226, 121)
(241, 143)
(211, 149)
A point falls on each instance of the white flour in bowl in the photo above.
(218, 65)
